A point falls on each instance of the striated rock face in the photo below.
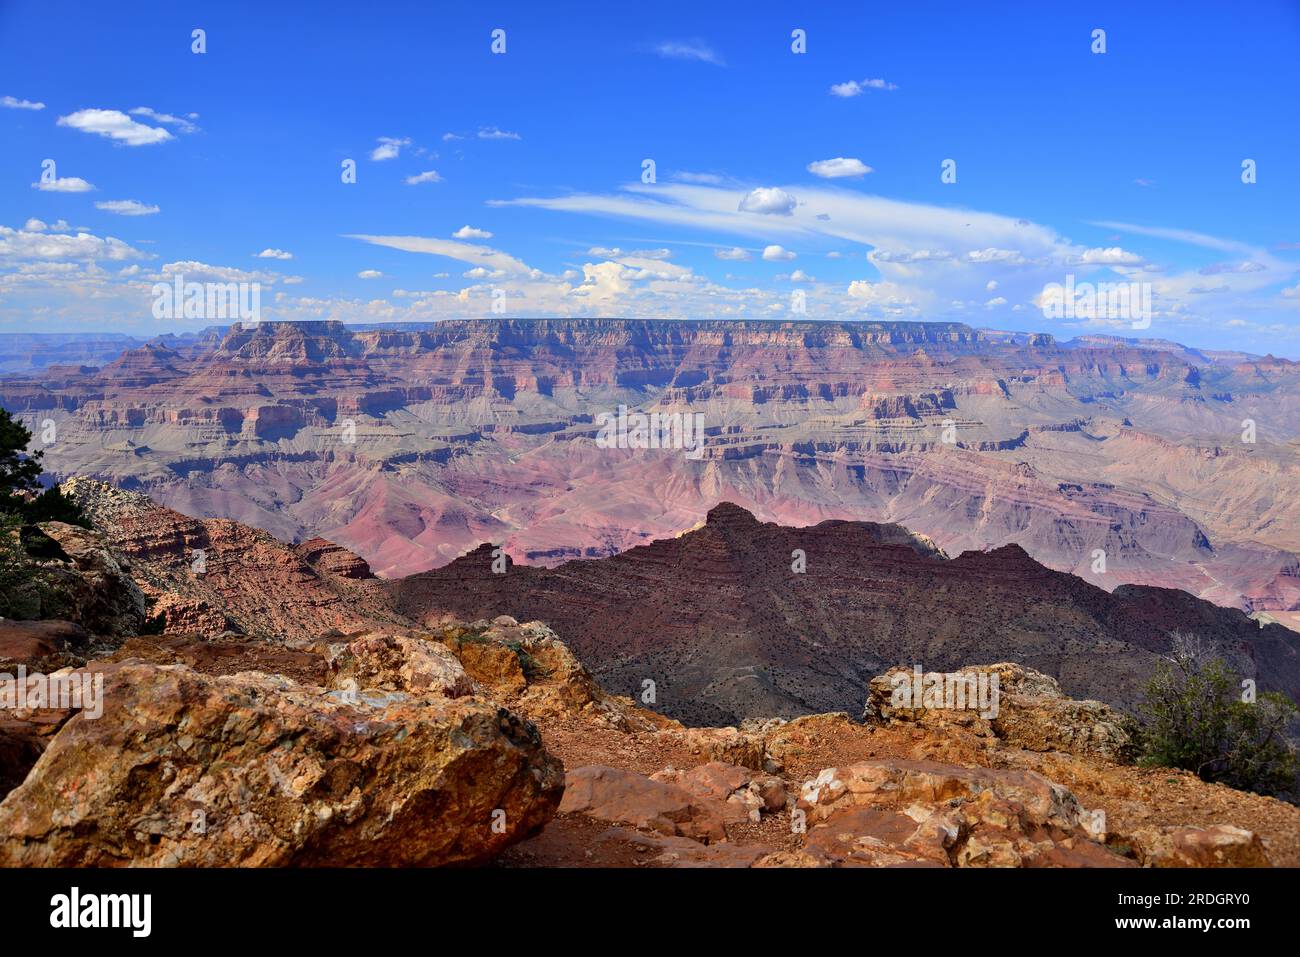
(333, 560)
(211, 576)
(1031, 713)
(1132, 447)
(726, 629)
(184, 769)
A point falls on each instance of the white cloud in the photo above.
(115, 125)
(768, 200)
(428, 176)
(993, 255)
(696, 50)
(447, 137)
(370, 274)
(469, 232)
(1112, 256)
(193, 270)
(839, 168)
(180, 122)
(492, 133)
(991, 285)
(25, 244)
(274, 254)
(856, 87)
(34, 225)
(909, 256)
(64, 184)
(16, 104)
(995, 302)
(390, 147)
(886, 297)
(482, 272)
(734, 254)
(127, 207)
(464, 252)
(777, 254)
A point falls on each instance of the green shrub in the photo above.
(1195, 718)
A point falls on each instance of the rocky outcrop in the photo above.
(921, 813)
(1029, 711)
(184, 769)
(89, 583)
(531, 669)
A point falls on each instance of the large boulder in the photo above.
(42, 646)
(624, 797)
(1220, 846)
(186, 769)
(397, 663)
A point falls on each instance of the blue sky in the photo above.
(775, 171)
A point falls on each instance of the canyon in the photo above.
(1120, 461)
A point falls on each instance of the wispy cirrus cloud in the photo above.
(696, 50)
(127, 207)
(463, 252)
(183, 123)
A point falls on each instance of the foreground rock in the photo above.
(1218, 846)
(922, 813)
(621, 797)
(184, 769)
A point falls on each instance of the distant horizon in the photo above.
(726, 162)
(1137, 341)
